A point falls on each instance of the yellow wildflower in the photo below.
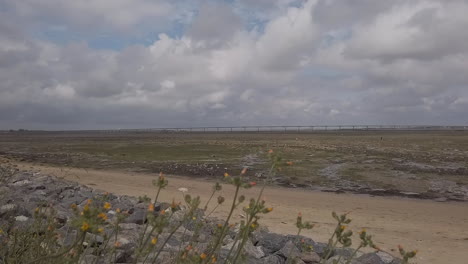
(107, 205)
(85, 226)
(100, 230)
(226, 174)
(154, 240)
(269, 209)
(103, 216)
(203, 256)
(151, 207)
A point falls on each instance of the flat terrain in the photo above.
(424, 164)
(413, 164)
(438, 230)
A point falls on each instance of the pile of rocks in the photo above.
(27, 190)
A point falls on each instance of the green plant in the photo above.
(40, 241)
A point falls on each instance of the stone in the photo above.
(336, 260)
(289, 250)
(377, 258)
(270, 242)
(273, 259)
(310, 257)
(137, 217)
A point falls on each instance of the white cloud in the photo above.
(403, 62)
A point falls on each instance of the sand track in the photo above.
(438, 230)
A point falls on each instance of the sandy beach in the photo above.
(438, 230)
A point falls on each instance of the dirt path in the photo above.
(438, 230)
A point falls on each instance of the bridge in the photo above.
(265, 129)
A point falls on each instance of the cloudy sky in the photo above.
(80, 64)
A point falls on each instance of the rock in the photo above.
(289, 250)
(123, 256)
(26, 193)
(253, 251)
(21, 183)
(336, 260)
(250, 250)
(137, 217)
(88, 259)
(310, 257)
(377, 258)
(270, 242)
(273, 259)
(344, 252)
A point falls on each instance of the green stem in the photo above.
(56, 255)
(167, 239)
(226, 223)
(354, 254)
(294, 244)
(231, 249)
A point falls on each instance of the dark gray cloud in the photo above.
(313, 62)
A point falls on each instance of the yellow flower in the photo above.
(203, 256)
(253, 225)
(194, 218)
(269, 209)
(100, 230)
(154, 241)
(86, 208)
(73, 206)
(117, 244)
(118, 210)
(343, 227)
(103, 216)
(151, 207)
(290, 163)
(85, 226)
(226, 174)
(213, 259)
(89, 201)
(107, 205)
(1, 231)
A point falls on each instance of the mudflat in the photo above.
(422, 164)
(438, 230)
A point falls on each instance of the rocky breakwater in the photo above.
(29, 196)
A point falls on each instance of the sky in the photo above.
(111, 64)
